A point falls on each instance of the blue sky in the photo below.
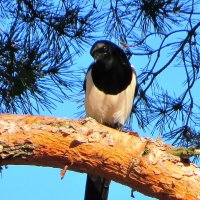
(30, 182)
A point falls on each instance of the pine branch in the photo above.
(184, 152)
(86, 146)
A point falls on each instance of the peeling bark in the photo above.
(86, 146)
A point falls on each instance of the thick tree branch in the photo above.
(86, 146)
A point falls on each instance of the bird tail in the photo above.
(97, 188)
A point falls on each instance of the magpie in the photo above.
(110, 86)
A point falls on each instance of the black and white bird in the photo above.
(110, 87)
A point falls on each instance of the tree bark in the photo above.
(86, 146)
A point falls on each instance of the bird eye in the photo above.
(105, 48)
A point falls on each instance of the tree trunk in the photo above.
(86, 146)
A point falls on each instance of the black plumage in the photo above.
(110, 86)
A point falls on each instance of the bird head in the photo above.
(108, 53)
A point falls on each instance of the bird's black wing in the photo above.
(137, 85)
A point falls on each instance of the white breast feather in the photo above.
(106, 108)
